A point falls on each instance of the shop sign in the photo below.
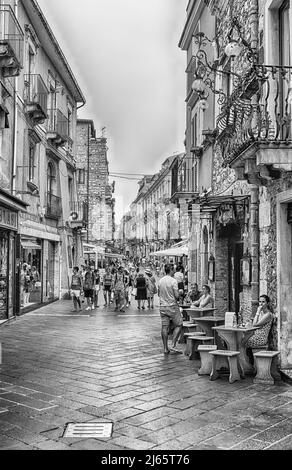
(8, 218)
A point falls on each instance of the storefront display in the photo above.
(3, 275)
(31, 272)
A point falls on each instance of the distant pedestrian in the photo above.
(141, 287)
(119, 289)
(169, 309)
(76, 288)
(88, 288)
(96, 287)
(107, 286)
(151, 287)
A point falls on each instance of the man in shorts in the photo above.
(169, 309)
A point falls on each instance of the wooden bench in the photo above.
(265, 366)
(206, 358)
(219, 359)
(194, 341)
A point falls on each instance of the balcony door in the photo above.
(285, 61)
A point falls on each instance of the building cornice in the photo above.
(192, 20)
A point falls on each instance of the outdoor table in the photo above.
(206, 323)
(196, 312)
(236, 338)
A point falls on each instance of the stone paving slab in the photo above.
(59, 368)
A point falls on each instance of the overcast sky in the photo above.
(125, 56)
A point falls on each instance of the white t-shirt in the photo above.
(179, 276)
(168, 290)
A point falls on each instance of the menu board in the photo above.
(229, 319)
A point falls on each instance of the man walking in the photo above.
(169, 309)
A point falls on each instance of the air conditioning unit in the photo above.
(73, 216)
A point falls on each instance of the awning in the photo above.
(114, 255)
(30, 245)
(173, 251)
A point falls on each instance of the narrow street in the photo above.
(59, 367)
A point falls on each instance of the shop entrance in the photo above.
(31, 272)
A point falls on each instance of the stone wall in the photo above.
(92, 156)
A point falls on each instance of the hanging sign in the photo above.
(8, 218)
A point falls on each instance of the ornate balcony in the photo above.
(53, 206)
(183, 184)
(57, 129)
(11, 43)
(35, 98)
(257, 121)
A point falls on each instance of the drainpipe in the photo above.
(255, 247)
(15, 124)
(87, 197)
(254, 209)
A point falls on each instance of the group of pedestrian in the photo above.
(86, 282)
(119, 284)
(30, 282)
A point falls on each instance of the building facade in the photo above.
(241, 223)
(39, 100)
(93, 185)
(153, 222)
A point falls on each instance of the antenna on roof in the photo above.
(103, 132)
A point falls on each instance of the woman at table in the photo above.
(206, 300)
(264, 319)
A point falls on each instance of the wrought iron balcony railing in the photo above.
(259, 111)
(58, 124)
(53, 206)
(11, 42)
(36, 96)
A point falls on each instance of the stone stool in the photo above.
(194, 341)
(219, 358)
(188, 327)
(188, 347)
(265, 365)
(206, 358)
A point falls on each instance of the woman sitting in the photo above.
(264, 319)
(206, 300)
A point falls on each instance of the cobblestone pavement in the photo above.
(103, 366)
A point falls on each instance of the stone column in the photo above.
(194, 244)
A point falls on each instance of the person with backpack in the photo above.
(107, 286)
(151, 287)
(119, 284)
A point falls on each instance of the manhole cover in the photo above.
(88, 430)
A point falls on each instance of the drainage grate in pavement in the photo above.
(88, 430)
